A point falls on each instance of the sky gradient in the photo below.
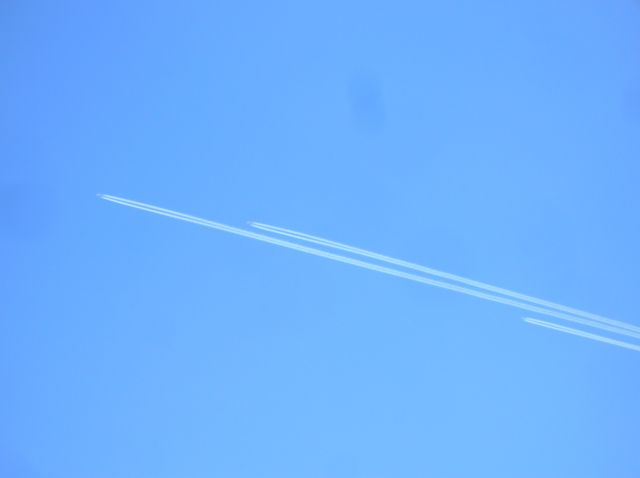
(494, 141)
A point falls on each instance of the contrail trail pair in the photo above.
(445, 275)
(580, 333)
(625, 329)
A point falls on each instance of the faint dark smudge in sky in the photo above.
(26, 211)
(367, 103)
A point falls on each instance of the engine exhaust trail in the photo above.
(444, 275)
(580, 333)
(362, 264)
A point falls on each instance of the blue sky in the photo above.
(492, 140)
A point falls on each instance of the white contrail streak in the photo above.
(362, 264)
(445, 275)
(580, 333)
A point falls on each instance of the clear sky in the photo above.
(495, 140)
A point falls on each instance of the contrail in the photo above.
(580, 333)
(445, 275)
(363, 264)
